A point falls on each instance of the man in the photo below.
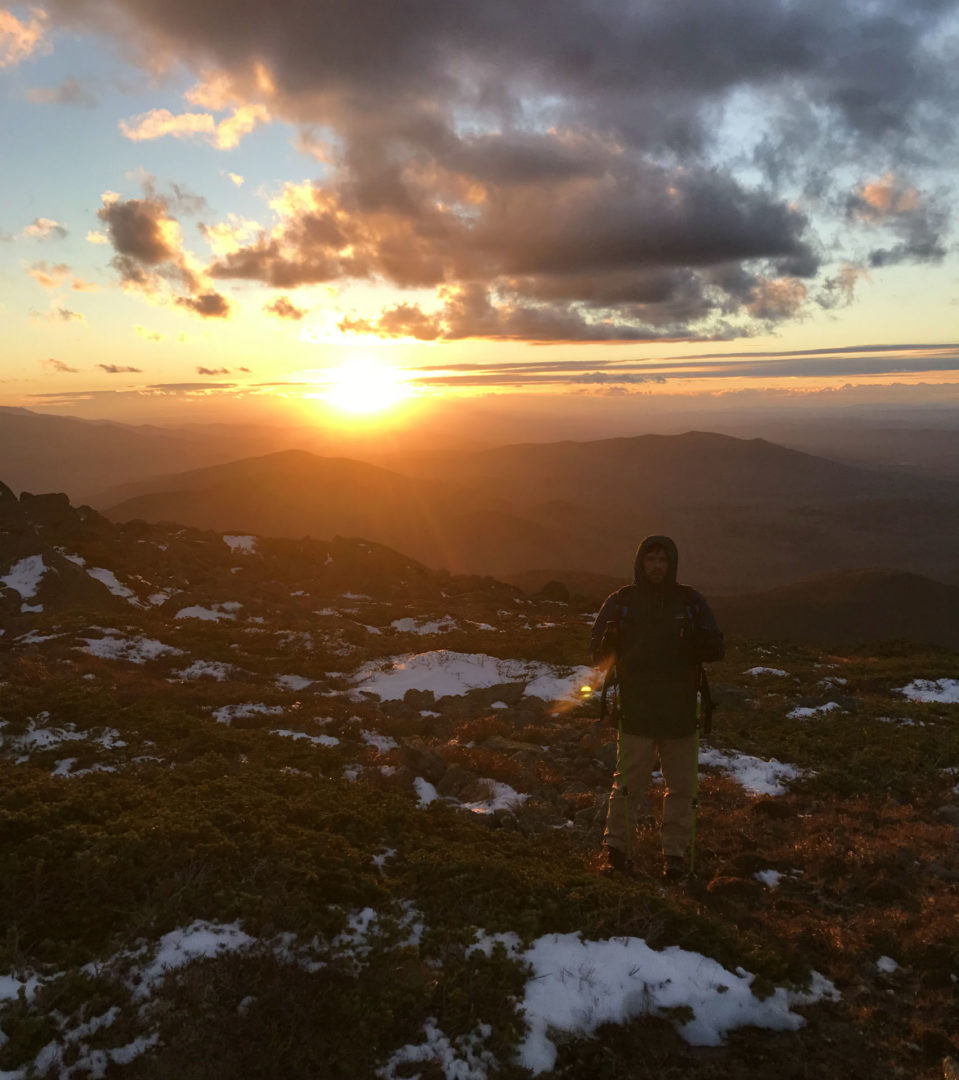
(658, 634)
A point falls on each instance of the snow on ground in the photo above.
(204, 669)
(577, 985)
(502, 797)
(412, 626)
(805, 713)
(769, 878)
(109, 579)
(226, 714)
(240, 543)
(317, 740)
(461, 1058)
(756, 775)
(215, 613)
(933, 691)
(296, 683)
(452, 674)
(24, 576)
(887, 965)
(765, 671)
(137, 650)
(383, 743)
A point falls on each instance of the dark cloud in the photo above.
(150, 255)
(66, 315)
(140, 230)
(116, 369)
(212, 371)
(70, 92)
(566, 160)
(284, 308)
(209, 305)
(59, 366)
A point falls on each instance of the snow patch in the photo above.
(765, 671)
(756, 775)
(226, 610)
(317, 740)
(240, 543)
(578, 985)
(136, 650)
(804, 712)
(226, 714)
(933, 691)
(452, 674)
(24, 576)
(109, 579)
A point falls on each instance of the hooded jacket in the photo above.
(662, 634)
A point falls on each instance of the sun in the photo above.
(363, 386)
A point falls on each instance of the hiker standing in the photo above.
(658, 634)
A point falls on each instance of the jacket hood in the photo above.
(672, 554)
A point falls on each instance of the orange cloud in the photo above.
(225, 135)
(18, 39)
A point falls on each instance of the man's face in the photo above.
(655, 565)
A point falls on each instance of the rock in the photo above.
(422, 761)
(456, 781)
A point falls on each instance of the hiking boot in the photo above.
(616, 860)
(675, 868)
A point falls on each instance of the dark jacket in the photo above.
(661, 635)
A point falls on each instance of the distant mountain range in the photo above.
(167, 567)
(747, 514)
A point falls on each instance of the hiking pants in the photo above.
(629, 797)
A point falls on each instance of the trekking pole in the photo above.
(692, 841)
(621, 765)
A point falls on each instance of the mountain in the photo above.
(747, 514)
(848, 607)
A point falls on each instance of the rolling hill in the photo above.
(748, 515)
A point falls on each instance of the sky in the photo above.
(240, 210)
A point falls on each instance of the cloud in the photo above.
(212, 371)
(211, 305)
(59, 366)
(284, 308)
(66, 315)
(920, 223)
(70, 92)
(225, 135)
(147, 334)
(42, 228)
(150, 257)
(116, 369)
(97, 237)
(236, 178)
(50, 277)
(19, 39)
(617, 171)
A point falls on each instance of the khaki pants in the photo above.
(628, 801)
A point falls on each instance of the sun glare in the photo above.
(363, 386)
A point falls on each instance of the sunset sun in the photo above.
(363, 387)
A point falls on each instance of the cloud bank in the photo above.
(570, 171)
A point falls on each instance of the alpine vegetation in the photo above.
(307, 808)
